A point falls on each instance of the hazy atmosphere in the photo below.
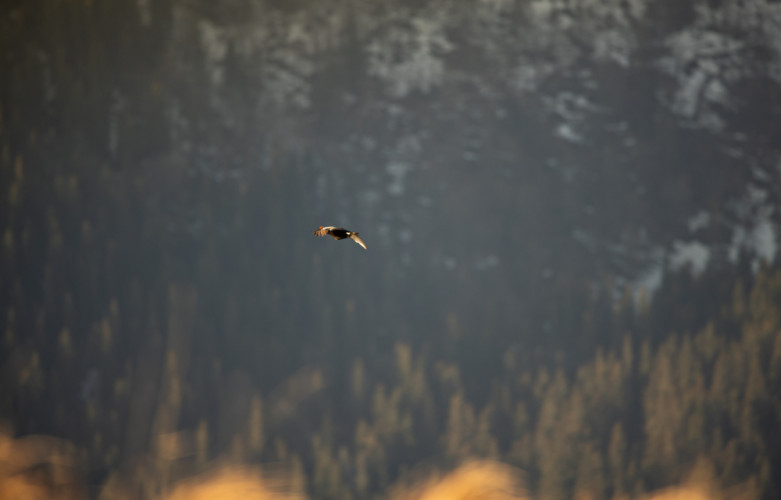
(570, 288)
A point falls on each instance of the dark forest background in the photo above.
(570, 208)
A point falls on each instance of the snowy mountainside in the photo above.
(596, 130)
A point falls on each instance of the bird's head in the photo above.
(321, 227)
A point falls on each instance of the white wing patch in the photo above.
(358, 240)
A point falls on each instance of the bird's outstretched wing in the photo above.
(323, 231)
(358, 240)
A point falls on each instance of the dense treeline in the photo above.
(162, 302)
(628, 410)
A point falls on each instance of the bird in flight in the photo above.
(339, 233)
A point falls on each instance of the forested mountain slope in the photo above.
(567, 206)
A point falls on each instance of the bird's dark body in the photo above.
(340, 233)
